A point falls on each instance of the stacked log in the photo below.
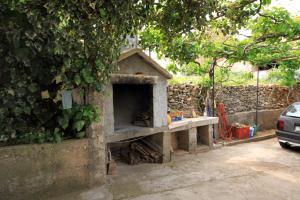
(143, 119)
(141, 151)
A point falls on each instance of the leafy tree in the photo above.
(273, 41)
(51, 46)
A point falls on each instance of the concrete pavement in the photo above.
(259, 170)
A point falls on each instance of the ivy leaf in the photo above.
(100, 64)
(80, 134)
(58, 96)
(77, 79)
(11, 92)
(63, 122)
(87, 75)
(32, 88)
(41, 138)
(102, 12)
(78, 116)
(56, 130)
(27, 109)
(58, 79)
(88, 113)
(57, 137)
(98, 87)
(45, 94)
(78, 125)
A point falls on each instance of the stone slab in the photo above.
(188, 123)
(133, 133)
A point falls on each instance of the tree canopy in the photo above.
(274, 41)
(51, 46)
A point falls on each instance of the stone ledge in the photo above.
(189, 123)
(254, 139)
(140, 132)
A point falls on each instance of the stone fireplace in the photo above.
(133, 106)
(135, 103)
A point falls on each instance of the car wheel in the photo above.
(285, 145)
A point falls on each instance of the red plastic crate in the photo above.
(241, 132)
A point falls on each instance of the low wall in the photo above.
(243, 98)
(40, 171)
(267, 119)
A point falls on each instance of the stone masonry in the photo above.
(186, 97)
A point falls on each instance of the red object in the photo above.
(225, 130)
(241, 132)
(280, 125)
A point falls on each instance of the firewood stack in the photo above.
(143, 119)
(141, 151)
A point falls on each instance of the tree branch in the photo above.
(268, 16)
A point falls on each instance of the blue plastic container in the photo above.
(251, 131)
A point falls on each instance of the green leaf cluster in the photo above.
(51, 46)
(273, 42)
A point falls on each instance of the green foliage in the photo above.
(234, 78)
(179, 27)
(274, 41)
(188, 69)
(227, 78)
(193, 80)
(285, 74)
(70, 124)
(175, 18)
(51, 46)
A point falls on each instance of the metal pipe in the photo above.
(213, 89)
(257, 94)
(213, 92)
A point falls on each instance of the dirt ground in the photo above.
(258, 170)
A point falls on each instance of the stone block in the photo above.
(187, 140)
(163, 142)
(205, 135)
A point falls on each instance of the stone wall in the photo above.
(186, 97)
(267, 119)
(240, 99)
(236, 99)
(41, 171)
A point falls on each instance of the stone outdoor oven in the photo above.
(135, 103)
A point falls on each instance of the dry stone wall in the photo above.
(186, 97)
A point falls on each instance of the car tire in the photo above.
(285, 145)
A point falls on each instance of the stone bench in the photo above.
(190, 131)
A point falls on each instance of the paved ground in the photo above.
(259, 170)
